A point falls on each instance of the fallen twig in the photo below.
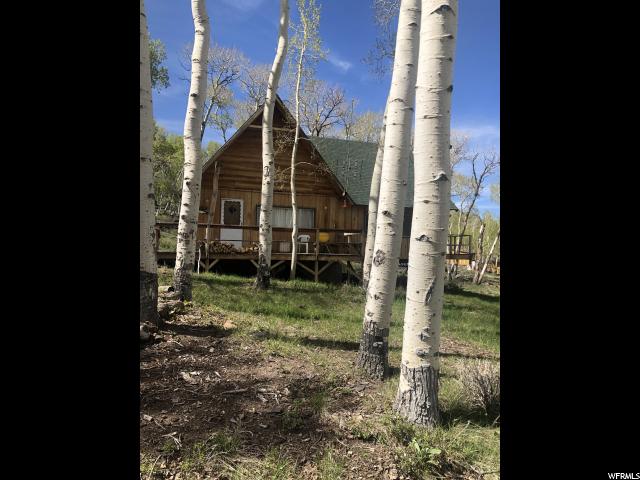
(176, 440)
(342, 443)
(150, 477)
(489, 473)
(237, 390)
(495, 421)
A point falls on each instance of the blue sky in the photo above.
(348, 32)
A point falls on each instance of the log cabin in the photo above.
(333, 178)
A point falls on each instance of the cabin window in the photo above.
(282, 217)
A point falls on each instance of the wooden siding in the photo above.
(240, 178)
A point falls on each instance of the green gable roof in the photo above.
(352, 163)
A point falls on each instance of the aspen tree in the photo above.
(374, 193)
(190, 204)
(373, 352)
(307, 45)
(480, 274)
(417, 396)
(148, 261)
(265, 233)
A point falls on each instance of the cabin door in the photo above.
(231, 215)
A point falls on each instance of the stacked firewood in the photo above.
(253, 248)
(223, 248)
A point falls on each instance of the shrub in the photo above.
(481, 382)
(417, 458)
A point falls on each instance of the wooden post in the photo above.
(352, 271)
(212, 203)
(156, 245)
(315, 273)
(325, 267)
(255, 264)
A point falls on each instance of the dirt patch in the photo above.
(198, 382)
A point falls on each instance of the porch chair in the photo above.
(304, 240)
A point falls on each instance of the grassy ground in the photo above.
(168, 239)
(316, 328)
(333, 313)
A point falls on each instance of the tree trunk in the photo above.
(190, 204)
(372, 355)
(148, 261)
(484, 268)
(479, 252)
(294, 152)
(263, 279)
(374, 194)
(475, 234)
(417, 397)
(453, 268)
(212, 204)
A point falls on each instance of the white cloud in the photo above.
(480, 132)
(336, 61)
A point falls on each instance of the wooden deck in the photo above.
(314, 256)
(321, 254)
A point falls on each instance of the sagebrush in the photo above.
(481, 382)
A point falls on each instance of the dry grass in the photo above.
(481, 382)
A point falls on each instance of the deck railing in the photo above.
(322, 241)
(459, 244)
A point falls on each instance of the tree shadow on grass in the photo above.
(277, 301)
(309, 341)
(479, 296)
(196, 330)
(279, 286)
(461, 412)
(478, 356)
(262, 335)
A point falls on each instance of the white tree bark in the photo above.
(294, 153)
(148, 261)
(374, 193)
(190, 205)
(417, 397)
(478, 280)
(480, 247)
(263, 278)
(373, 353)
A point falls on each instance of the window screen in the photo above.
(282, 217)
